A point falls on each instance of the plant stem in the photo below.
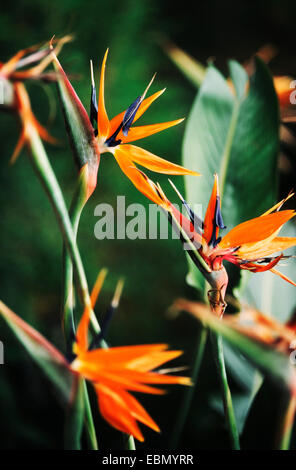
(75, 211)
(286, 424)
(76, 208)
(130, 444)
(44, 170)
(74, 417)
(189, 393)
(217, 346)
(89, 422)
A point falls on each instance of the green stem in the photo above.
(75, 211)
(89, 422)
(189, 393)
(74, 418)
(286, 424)
(49, 181)
(44, 170)
(76, 208)
(130, 444)
(217, 345)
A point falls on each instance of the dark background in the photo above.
(30, 262)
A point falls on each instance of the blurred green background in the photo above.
(30, 262)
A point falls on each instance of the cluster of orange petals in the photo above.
(29, 123)
(15, 71)
(251, 242)
(248, 245)
(126, 155)
(116, 371)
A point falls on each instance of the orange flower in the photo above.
(14, 72)
(116, 371)
(249, 245)
(28, 121)
(15, 68)
(115, 135)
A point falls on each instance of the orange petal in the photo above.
(114, 379)
(286, 278)
(82, 330)
(21, 142)
(138, 411)
(266, 249)
(136, 133)
(279, 204)
(154, 163)
(42, 131)
(117, 120)
(139, 179)
(255, 230)
(116, 412)
(147, 103)
(9, 66)
(103, 121)
(136, 378)
(123, 354)
(210, 214)
(153, 360)
(98, 286)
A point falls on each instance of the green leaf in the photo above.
(234, 134)
(48, 358)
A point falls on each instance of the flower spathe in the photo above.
(115, 136)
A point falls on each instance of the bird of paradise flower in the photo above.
(114, 372)
(251, 245)
(115, 135)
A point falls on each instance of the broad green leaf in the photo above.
(235, 134)
(48, 358)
